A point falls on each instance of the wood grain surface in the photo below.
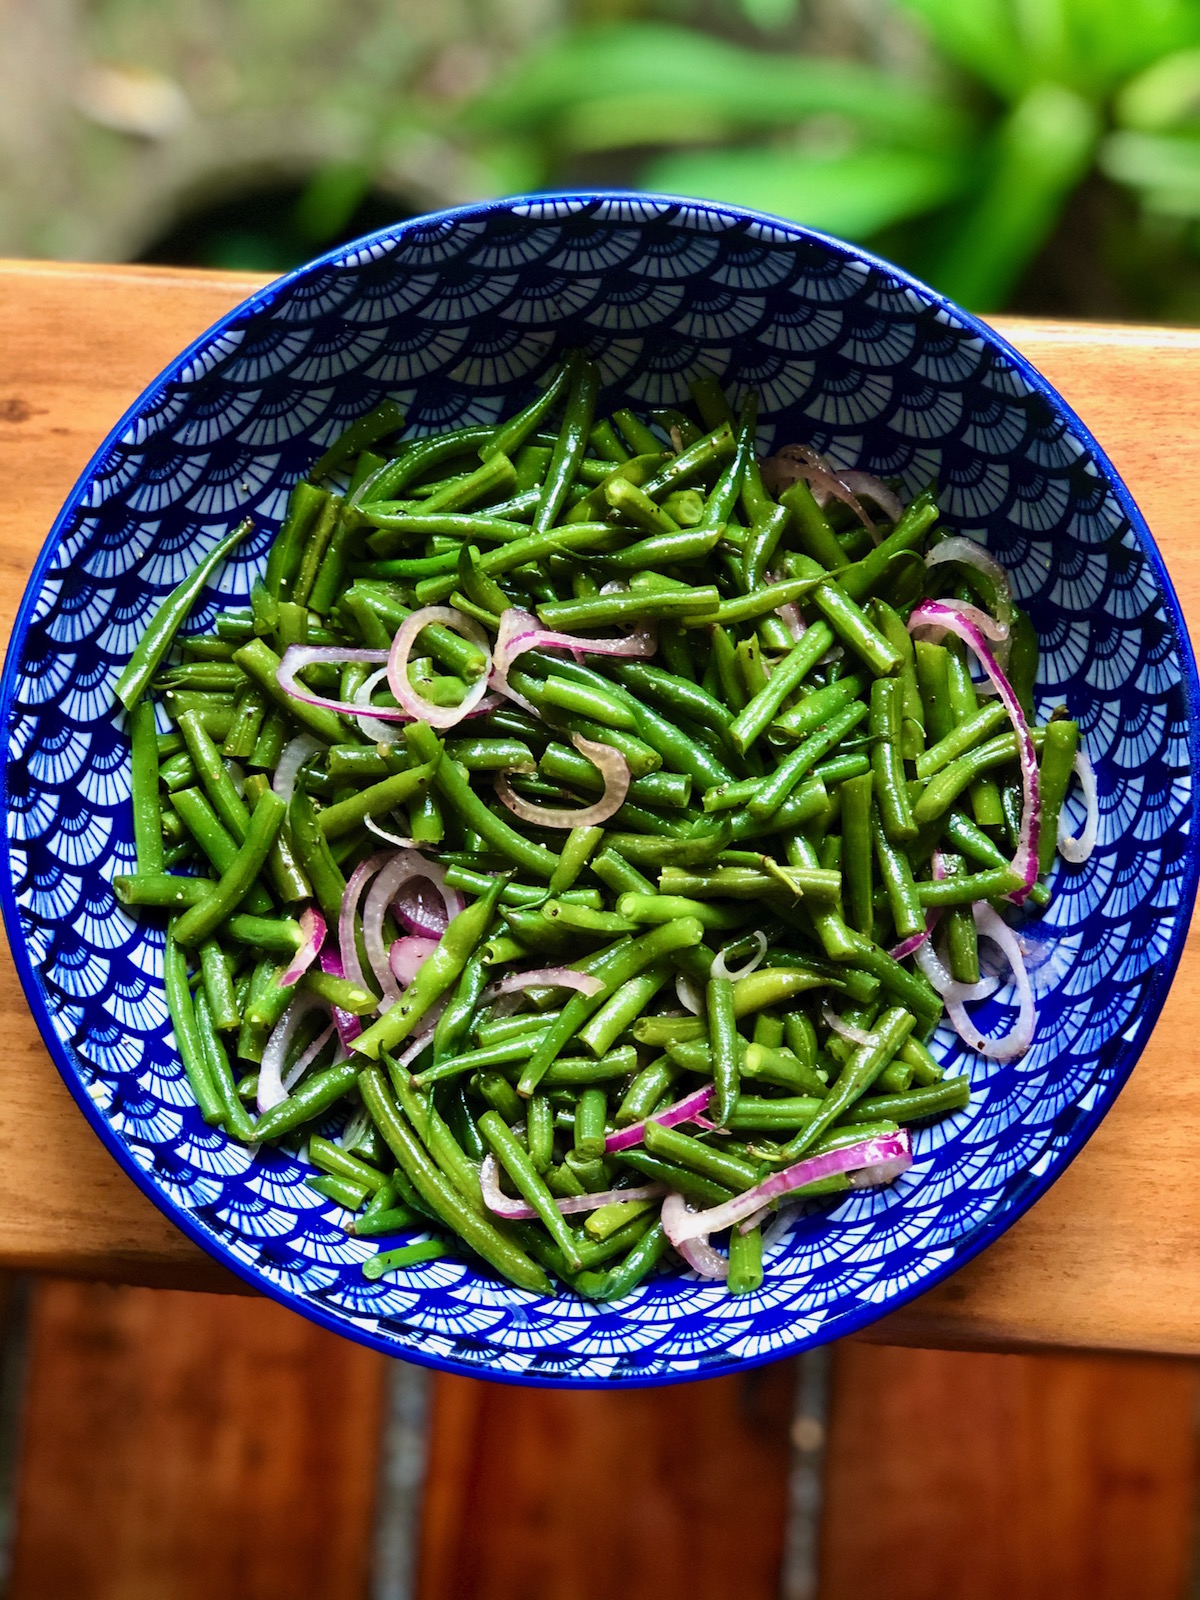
(1105, 1259)
(183, 1447)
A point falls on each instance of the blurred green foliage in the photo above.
(962, 162)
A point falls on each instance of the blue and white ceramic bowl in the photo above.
(457, 315)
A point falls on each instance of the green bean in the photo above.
(887, 763)
(858, 852)
(570, 443)
(721, 1166)
(591, 1110)
(160, 633)
(722, 1032)
(811, 527)
(440, 1195)
(962, 943)
(200, 920)
(904, 896)
(745, 1260)
(615, 967)
(962, 737)
(314, 1096)
(1054, 771)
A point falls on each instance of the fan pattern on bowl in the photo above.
(457, 316)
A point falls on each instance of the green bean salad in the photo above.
(573, 845)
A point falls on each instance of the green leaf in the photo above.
(852, 195)
(628, 84)
(1164, 96)
(1165, 170)
(980, 36)
(1043, 150)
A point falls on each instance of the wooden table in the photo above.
(1107, 1259)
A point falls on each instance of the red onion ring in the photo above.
(399, 868)
(415, 705)
(542, 978)
(408, 955)
(348, 1025)
(305, 1061)
(688, 994)
(503, 1205)
(942, 615)
(689, 1109)
(795, 461)
(909, 946)
(969, 554)
(298, 656)
(1077, 850)
(696, 1252)
(1020, 1036)
(751, 963)
(270, 1070)
(790, 616)
(395, 839)
(865, 484)
(295, 753)
(949, 988)
(347, 943)
(846, 1029)
(891, 1154)
(613, 768)
(521, 631)
(312, 926)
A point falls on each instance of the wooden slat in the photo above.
(990, 1476)
(1103, 1260)
(182, 1447)
(646, 1494)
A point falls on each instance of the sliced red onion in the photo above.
(521, 631)
(396, 839)
(689, 1109)
(298, 656)
(542, 978)
(1077, 850)
(388, 732)
(503, 1205)
(421, 911)
(970, 554)
(949, 988)
(397, 666)
(890, 1153)
(295, 753)
(312, 926)
(381, 732)
(408, 955)
(751, 963)
(305, 1061)
(977, 616)
(348, 1025)
(908, 946)
(696, 1251)
(347, 943)
(614, 769)
(845, 1029)
(688, 993)
(355, 1128)
(420, 1041)
(795, 461)
(270, 1071)
(400, 867)
(940, 614)
(866, 485)
(791, 618)
(1020, 1036)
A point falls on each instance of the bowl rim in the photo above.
(865, 1313)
